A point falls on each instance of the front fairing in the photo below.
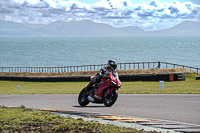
(119, 84)
(115, 82)
(111, 83)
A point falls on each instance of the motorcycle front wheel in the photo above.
(83, 98)
(109, 100)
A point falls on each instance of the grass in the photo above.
(23, 120)
(10, 87)
(190, 86)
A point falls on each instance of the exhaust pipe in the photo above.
(91, 99)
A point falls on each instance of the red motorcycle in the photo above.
(106, 91)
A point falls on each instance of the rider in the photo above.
(110, 68)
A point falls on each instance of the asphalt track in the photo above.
(174, 107)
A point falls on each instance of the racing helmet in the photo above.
(113, 64)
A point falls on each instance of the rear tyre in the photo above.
(109, 100)
(83, 98)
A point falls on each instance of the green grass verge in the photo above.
(22, 120)
(190, 86)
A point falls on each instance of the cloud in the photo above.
(118, 13)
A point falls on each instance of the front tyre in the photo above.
(109, 100)
(82, 98)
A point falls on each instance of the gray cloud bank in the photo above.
(117, 13)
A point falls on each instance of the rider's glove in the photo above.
(105, 76)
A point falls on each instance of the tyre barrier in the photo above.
(47, 79)
(125, 77)
(154, 77)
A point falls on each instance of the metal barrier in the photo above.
(121, 66)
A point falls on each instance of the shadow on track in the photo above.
(88, 106)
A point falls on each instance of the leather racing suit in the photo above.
(103, 73)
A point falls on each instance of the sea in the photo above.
(77, 51)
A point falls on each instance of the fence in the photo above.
(121, 66)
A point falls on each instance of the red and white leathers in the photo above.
(105, 71)
(108, 70)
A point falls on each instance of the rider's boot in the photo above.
(87, 88)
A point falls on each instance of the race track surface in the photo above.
(173, 107)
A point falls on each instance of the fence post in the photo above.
(124, 66)
(143, 65)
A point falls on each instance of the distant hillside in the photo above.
(187, 28)
(89, 29)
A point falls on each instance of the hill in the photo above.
(187, 28)
(90, 29)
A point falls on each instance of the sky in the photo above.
(149, 15)
(143, 1)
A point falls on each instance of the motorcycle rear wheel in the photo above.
(83, 98)
(109, 100)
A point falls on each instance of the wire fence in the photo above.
(121, 66)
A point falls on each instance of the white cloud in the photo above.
(118, 13)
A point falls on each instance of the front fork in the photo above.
(108, 95)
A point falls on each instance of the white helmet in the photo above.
(113, 64)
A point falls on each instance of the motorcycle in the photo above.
(106, 92)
